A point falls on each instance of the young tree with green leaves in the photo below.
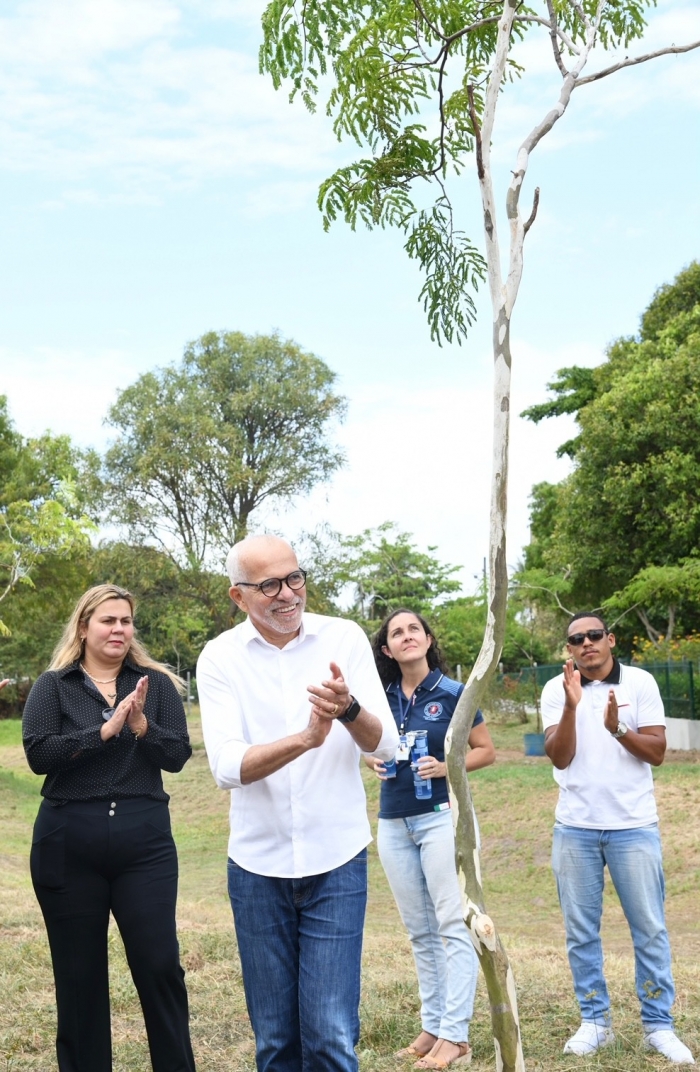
(416, 84)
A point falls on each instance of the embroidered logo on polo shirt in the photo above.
(432, 711)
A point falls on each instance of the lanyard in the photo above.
(409, 701)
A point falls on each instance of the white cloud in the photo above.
(65, 391)
(123, 89)
(133, 94)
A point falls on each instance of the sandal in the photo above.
(433, 1059)
(414, 1051)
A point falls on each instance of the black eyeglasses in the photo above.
(576, 639)
(273, 585)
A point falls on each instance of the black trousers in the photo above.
(90, 859)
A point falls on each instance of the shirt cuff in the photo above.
(388, 743)
(226, 764)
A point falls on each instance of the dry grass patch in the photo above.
(515, 803)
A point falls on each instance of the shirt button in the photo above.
(111, 812)
(113, 804)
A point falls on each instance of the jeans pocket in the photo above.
(47, 860)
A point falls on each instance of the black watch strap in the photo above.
(352, 711)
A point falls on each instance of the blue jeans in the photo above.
(300, 943)
(633, 857)
(418, 856)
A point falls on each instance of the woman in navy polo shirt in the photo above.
(416, 839)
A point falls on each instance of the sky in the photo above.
(154, 186)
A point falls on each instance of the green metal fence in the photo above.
(676, 682)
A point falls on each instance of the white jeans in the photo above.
(417, 854)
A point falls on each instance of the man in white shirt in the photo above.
(284, 733)
(604, 730)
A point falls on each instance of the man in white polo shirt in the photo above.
(284, 733)
(604, 730)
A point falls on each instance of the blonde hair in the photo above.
(70, 646)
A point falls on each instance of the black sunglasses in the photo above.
(273, 585)
(576, 639)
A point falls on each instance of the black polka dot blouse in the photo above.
(61, 726)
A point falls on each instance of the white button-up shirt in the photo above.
(311, 815)
(604, 786)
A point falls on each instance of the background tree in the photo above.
(241, 421)
(385, 570)
(49, 497)
(417, 84)
(367, 576)
(459, 626)
(622, 532)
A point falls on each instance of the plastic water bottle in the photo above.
(422, 787)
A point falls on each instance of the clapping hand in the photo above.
(130, 710)
(572, 683)
(332, 699)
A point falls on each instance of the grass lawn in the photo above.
(515, 803)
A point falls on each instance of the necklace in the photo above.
(102, 681)
(99, 680)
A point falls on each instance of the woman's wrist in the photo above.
(140, 728)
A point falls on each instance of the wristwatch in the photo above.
(620, 731)
(352, 711)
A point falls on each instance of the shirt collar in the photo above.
(428, 683)
(309, 627)
(613, 677)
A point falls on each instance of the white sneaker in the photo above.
(589, 1038)
(666, 1042)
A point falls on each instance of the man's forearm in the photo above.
(263, 759)
(649, 747)
(560, 742)
(365, 730)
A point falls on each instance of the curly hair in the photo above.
(387, 667)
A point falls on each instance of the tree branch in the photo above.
(671, 50)
(553, 35)
(477, 131)
(549, 591)
(419, 8)
(581, 14)
(535, 203)
(446, 52)
(653, 634)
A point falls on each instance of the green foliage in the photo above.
(670, 301)
(459, 627)
(386, 571)
(406, 82)
(36, 615)
(48, 494)
(376, 572)
(242, 420)
(627, 519)
(574, 388)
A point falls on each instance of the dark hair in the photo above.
(587, 614)
(388, 667)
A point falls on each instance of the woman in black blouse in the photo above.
(101, 724)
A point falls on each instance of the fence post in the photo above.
(668, 689)
(692, 689)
